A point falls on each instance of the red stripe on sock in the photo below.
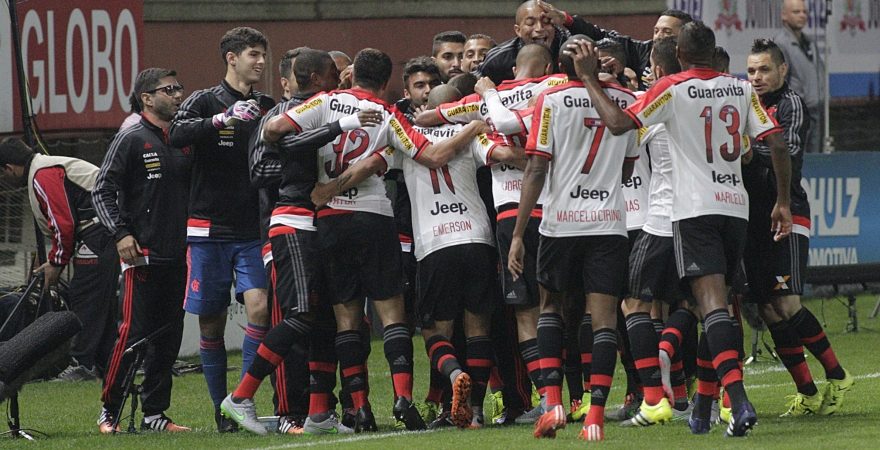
(247, 387)
(359, 399)
(726, 400)
(318, 366)
(672, 330)
(828, 359)
(799, 350)
(353, 370)
(436, 346)
(800, 374)
(645, 363)
(318, 403)
(724, 356)
(550, 363)
(586, 358)
(595, 416)
(667, 347)
(707, 388)
(653, 394)
(442, 360)
(403, 383)
(479, 362)
(554, 395)
(676, 366)
(495, 382)
(533, 366)
(704, 364)
(679, 391)
(731, 376)
(269, 355)
(600, 380)
(812, 339)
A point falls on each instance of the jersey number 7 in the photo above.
(598, 128)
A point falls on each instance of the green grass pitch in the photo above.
(68, 411)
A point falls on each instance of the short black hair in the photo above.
(286, 65)
(721, 60)
(238, 39)
(768, 46)
(14, 151)
(664, 55)
(146, 81)
(372, 68)
(482, 36)
(696, 42)
(419, 64)
(310, 61)
(447, 36)
(613, 48)
(464, 82)
(565, 61)
(684, 17)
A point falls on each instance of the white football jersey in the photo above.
(635, 191)
(659, 220)
(356, 145)
(584, 195)
(515, 94)
(446, 206)
(507, 179)
(707, 115)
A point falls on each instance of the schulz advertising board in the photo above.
(80, 58)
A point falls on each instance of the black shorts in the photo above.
(595, 263)
(295, 273)
(775, 269)
(453, 279)
(359, 256)
(652, 273)
(709, 245)
(523, 291)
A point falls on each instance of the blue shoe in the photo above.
(697, 424)
(742, 420)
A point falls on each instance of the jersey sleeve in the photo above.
(55, 205)
(403, 137)
(308, 115)
(482, 147)
(462, 111)
(632, 145)
(654, 107)
(540, 141)
(759, 123)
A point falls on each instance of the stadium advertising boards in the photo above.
(853, 35)
(81, 58)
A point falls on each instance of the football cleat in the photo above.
(592, 432)
(291, 424)
(698, 424)
(803, 405)
(550, 421)
(742, 421)
(163, 423)
(330, 425)
(496, 406)
(682, 414)
(650, 414)
(442, 421)
(105, 422)
(244, 414)
(531, 416)
(460, 413)
(406, 413)
(579, 408)
(364, 420)
(429, 411)
(832, 398)
(666, 373)
(724, 413)
(627, 410)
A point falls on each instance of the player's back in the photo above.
(584, 180)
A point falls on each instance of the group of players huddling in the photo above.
(621, 217)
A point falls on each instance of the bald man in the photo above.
(806, 71)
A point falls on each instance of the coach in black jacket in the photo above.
(141, 197)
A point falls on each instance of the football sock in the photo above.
(585, 338)
(479, 365)
(435, 386)
(495, 382)
(571, 365)
(212, 351)
(352, 363)
(678, 324)
(643, 344)
(633, 383)
(604, 359)
(722, 337)
(658, 326)
(808, 328)
(322, 368)
(791, 352)
(399, 353)
(529, 351)
(271, 352)
(707, 378)
(442, 356)
(253, 335)
(688, 350)
(550, 328)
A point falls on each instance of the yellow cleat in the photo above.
(579, 408)
(832, 398)
(724, 413)
(496, 407)
(651, 414)
(803, 405)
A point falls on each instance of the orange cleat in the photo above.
(461, 413)
(550, 421)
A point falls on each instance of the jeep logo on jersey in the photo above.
(343, 108)
(303, 108)
(441, 208)
(657, 104)
(589, 194)
(725, 178)
(506, 167)
(401, 134)
(545, 127)
(350, 194)
(633, 182)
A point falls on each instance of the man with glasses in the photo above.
(141, 197)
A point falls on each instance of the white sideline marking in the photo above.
(750, 371)
(357, 438)
(765, 386)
